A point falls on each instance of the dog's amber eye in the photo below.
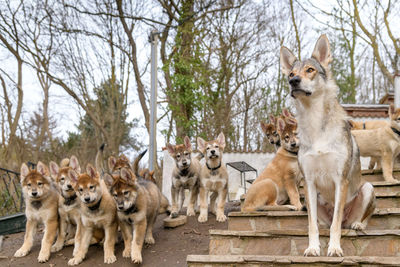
(178, 156)
(62, 179)
(91, 187)
(186, 153)
(216, 146)
(287, 137)
(29, 184)
(80, 190)
(291, 74)
(39, 184)
(126, 193)
(309, 70)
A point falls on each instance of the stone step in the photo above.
(379, 187)
(376, 175)
(262, 260)
(385, 243)
(280, 220)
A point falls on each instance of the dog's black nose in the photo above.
(87, 199)
(69, 186)
(293, 144)
(34, 194)
(295, 81)
(120, 207)
(213, 152)
(184, 163)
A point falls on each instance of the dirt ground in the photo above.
(171, 247)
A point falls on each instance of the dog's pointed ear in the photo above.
(263, 126)
(24, 172)
(351, 123)
(108, 180)
(171, 149)
(322, 51)
(287, 60)
(73, 175)
(127, 176)
(287, 113)
(91, 171)
(53, 170)
(201, 144)
(74, 164)
(124, 158)
(64, 163)
(272, 119)
(42, 169)
(111, 163)
(281, 126)
(290, 120)
(391, 111)
(187, 143)
(221, 140)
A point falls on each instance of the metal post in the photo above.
(153, 102)
(397, 90)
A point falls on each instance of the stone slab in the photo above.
(262, 260)
(385, 243)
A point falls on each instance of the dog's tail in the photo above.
(135, 166)
(99, 160)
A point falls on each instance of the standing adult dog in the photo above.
(328, 155)
(213, 178)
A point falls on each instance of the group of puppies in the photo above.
(88, 207)
(199, 179)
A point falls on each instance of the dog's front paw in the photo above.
(74, 261)
(149, 240)
(110, 259)
(202, 218)
(136, 257)
(221, 217)
(190, 212)
(126, 253)
(358, 226)
(56, 247)
(43, 257)
(312, 252)
(335, 251)
(21, 253)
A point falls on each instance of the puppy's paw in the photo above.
(74, 261)
(312, 252)
(21, 253)
(126, 253)
(190, 212)
(110, 259)
(335, 251)
(149, 240)
(70, 242)
(56, 247)
(221, 217)
(174, 214)
(43, 257)
(136, 257)
(202, 218)
(358, 226)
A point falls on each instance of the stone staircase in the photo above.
(273, 238)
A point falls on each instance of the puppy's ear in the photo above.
(111, 163)
(127, 175)
(91, 171)
(287, 60)
(281, 126)
(24, 172)
(73, 175)
(187, 143)
(171, 149)
(351, 123)
(221, 140)
(42, 169)
(53, 170)
(287, 113)
(201, 144)
(263, 126)
(291, 121)
(124, 158)
(64, 163)
(74, 164)
(108, 179)
(272, 119)
(322, 51)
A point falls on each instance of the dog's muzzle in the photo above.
(297, 91)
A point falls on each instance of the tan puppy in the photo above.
(138, 202)
(97, 211)
(383, 143)
(369, 125)
(184, 176)
(279, 180)
(41, 207)
(213, 178)
(270, 132)
(328, 154)
(69, 206)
